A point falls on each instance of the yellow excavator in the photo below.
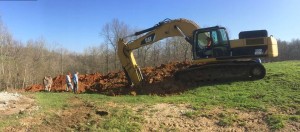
(218, 58)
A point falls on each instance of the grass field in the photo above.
(273, 101)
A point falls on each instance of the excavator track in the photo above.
(226, 71)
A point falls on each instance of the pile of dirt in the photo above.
(157, 81)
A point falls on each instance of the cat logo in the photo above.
(148, 39)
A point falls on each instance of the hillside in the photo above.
(270, 104)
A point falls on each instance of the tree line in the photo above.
(25, 63)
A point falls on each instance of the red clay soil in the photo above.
(157, 81)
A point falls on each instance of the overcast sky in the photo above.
(76, 24)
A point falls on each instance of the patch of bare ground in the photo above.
(13, 103)
(80, 115)
(182, 117)
(76, 116)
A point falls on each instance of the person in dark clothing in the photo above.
(75, 81)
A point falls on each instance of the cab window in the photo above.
(224, 36)
(214, 37)
(202, 39)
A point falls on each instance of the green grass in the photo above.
(191, 114)
(10, 120)
(53, 100)
(278, 90)
(275, 121)
(226, 119)
(122, 120)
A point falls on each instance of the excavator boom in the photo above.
(164, 29)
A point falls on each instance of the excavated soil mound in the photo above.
(157, 81)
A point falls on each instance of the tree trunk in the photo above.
(24, 78)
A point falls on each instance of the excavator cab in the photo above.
(212, 42)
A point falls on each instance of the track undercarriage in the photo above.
(225, 71)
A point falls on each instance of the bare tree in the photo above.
(112, 32)
(156, 53)
(184, 48)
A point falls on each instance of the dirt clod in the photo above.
(101, 113)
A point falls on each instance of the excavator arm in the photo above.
(164, 29)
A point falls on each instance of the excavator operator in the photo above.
(208, 48)
(208, 42)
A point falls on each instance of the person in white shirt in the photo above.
(68, 81)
